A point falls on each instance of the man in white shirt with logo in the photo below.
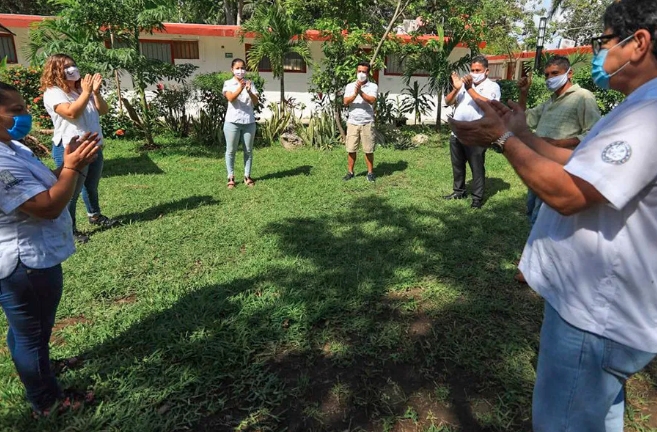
(591, 253)
(468, 89)
(360, 97)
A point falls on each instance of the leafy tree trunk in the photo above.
(240, 11)
(282, 85)
(337, 110)
(230, 12)
(439, 111)
(141, 87)
(147, 126)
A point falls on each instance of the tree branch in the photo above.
(399, 10)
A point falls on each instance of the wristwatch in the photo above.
(498, 144)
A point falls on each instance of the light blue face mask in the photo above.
(600, 76)
(555, 83)
(22, 126)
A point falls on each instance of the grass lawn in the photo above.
(303, 304)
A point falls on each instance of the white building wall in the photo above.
(216, 54)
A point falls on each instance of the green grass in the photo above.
(304, 304)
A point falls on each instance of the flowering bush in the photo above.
(116, 123)
(27, 81)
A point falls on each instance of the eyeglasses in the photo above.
(597, 42)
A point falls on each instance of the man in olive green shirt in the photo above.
(563, 120)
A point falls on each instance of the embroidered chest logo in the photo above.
(617, 153)
(8, 179)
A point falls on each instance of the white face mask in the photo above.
(362, 76)
(478, 77)
(555, 83)
(72, 73)
(239, 73)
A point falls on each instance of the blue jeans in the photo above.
(580, 378)
(29, 298)
(88, 186)
(534, 204)
(234, 133)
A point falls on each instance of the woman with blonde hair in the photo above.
(75, 105)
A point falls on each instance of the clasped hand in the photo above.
(498, 119)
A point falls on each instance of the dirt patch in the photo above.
(414, 293)
(129, 299)
(421, 326)
(57, 337)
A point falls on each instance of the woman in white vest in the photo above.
(75, 105)
(35, 238)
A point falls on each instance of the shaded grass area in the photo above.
(303, 304)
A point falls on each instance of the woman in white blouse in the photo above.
(75, 105)
(240, 122)
(35, 238)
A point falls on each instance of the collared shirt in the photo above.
(466, 108)
(37, 243)
(239, 110)
(570, 115)
(360, 111)
(65, 129)
(598, 267)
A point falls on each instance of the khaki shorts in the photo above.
(360, 134)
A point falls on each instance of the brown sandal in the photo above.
(249, 181)
(231, 183)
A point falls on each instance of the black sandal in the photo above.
(71, 400)
(249, 181)
(231, 182)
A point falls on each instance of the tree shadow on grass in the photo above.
(161, 210)
(375, 317)
(141, 164)
(300, 170)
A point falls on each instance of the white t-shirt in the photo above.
(466, 108)
(239, 110)
(66, 129)
(360, 111)
(598, 268)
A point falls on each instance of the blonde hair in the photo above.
(53, 73)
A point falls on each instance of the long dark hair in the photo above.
(4, 89)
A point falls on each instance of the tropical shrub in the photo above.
(28, 81)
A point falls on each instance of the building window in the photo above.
(165, 51)
(292, 63)
(7, 48)
(395, 66)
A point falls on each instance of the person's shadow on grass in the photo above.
(300, 170)
(162, 210)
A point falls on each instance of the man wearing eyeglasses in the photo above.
(591, 254)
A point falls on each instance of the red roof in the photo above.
(24, 21)
(531, 54)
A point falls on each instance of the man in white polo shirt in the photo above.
(475, 86)
(591, 253)
(360, 97)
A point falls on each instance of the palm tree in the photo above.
(276, 36)
(433, 58)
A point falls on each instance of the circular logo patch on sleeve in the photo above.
(617, 153)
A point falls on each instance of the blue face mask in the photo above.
(599, 74)
(22, 126)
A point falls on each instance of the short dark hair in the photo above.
(481, 60)
(366, 64)
(235, 61)
(560, 61)
(4, 89)
(626, 17)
